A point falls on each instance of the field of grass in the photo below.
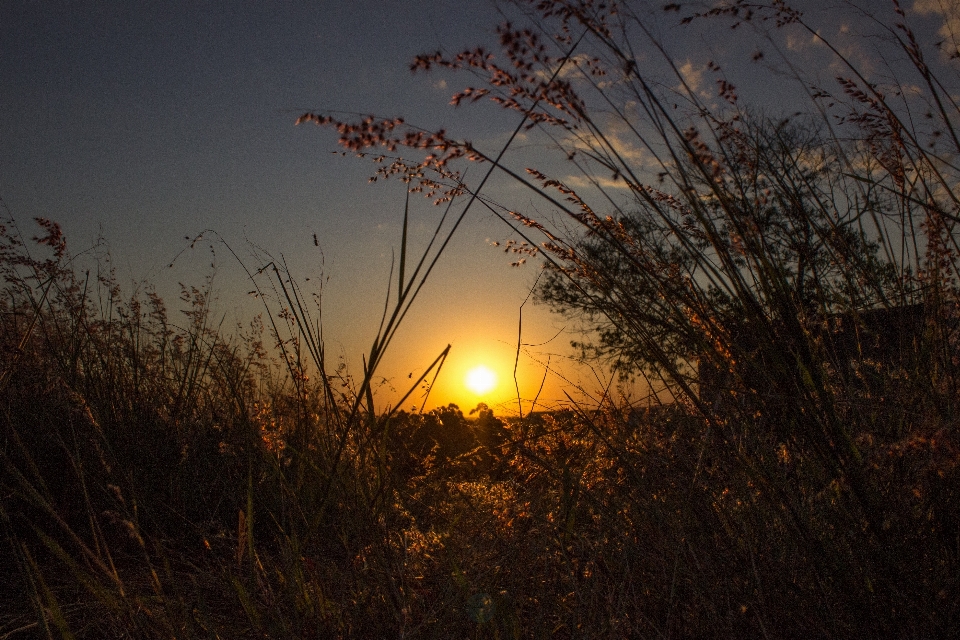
(164, 477)
(161, 478)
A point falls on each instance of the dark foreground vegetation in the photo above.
(791, 283)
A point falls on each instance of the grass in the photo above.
(167, 478)
(174, 482)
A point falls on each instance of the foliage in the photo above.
(804, 481)
(750, 267)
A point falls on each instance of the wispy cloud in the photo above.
(693, 77)
(580, 182)
(949, 11)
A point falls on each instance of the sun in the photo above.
(481, 379)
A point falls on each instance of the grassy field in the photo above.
(164, 479)
(792, 282)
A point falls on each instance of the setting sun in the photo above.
(481, 379)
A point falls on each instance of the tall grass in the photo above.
(162, 479)
(803, 480)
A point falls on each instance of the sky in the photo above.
(146, 125)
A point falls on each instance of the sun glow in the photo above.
(480, 380)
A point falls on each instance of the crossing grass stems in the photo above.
(181, 480)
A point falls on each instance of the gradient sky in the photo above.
(149, 123)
